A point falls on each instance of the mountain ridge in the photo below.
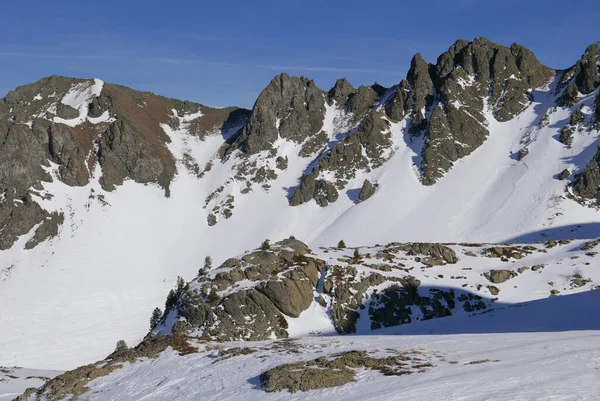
(106, 187)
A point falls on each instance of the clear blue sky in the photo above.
(224, 52)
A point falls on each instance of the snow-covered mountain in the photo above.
(108, 194)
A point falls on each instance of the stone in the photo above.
(522, 153)
(493, 290)
(564, 174)
(500, 276)
(367, 190)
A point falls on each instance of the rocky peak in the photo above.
(422, 91)
(362, 100)
(583, 77)
(289, 107)
(340, 92)
(465, 78)
(510, 72)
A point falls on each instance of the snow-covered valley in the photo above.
(160, 186)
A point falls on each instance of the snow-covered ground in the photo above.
(542, 350)
(13, 381)
(68, 301)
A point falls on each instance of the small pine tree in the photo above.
(180, 327)
(213, 297)
(121, 346)
(356, 253)
(207, 263)
(266, 245)
(171, 300)
(202, 273)
(341, 244)
(155, 318)
(180, 284)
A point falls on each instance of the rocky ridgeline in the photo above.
(255, 296)
(445, 103)
(68, 127)
(113, 127)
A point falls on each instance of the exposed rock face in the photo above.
(340, 92)
(289, 107)
(586, 183)
(435, 254)
(500, 276)
(337, 370)
(583, 77)
(323, 192)
(360, 101)
(508, 252)
(114, 126)
(397, 104)
(393, 306)
(366, 191)
(285, 281)
(522, 153)
(348, 295)
(566, 135)
(421, 85)
(145, 165)
(463, 77)
(366, 149)
(564, 174)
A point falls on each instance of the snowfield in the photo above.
(542, 350)
(67, 301)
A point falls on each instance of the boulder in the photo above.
(500, 276)
(367, 190)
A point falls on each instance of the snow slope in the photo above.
(70, 299)
(518, 353)
(14, 381)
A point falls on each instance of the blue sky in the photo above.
(224, 52)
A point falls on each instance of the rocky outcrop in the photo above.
(583, 77)
(361, 101)
(466, 75)
(422, 91)
(114, 127)
(366, 191)
(508, 252)
(434, 254)
(396, 106)
(289, 107)
(323, 192)
(340, 92)
(337, 370)
(285, 280)
(585, 184)
(348, 295)
(364, 150)
(500, 276)
(522, 153)
(563, 175)
(394, 305)
(72, 384)
(446, 102)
